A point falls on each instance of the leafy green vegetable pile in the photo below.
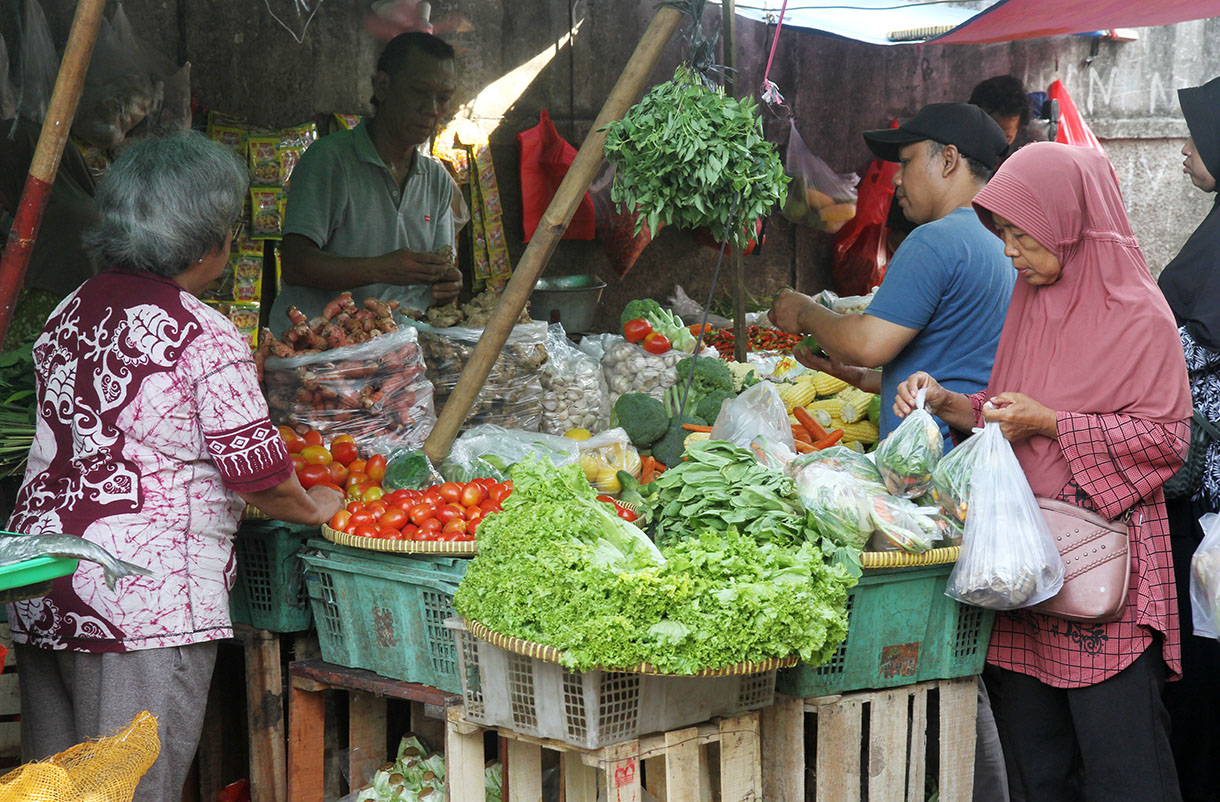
(557, 567)
(683, 153)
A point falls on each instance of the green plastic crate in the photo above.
(270, 589)
(902, 629)
(31, 578)
(386, 612)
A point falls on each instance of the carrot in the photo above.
(829, 440)
(646, 464)
(816, 432)
(698, 329)
(694, 427)
(804, 448)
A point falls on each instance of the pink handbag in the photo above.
(1096, 561)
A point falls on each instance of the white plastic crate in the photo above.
(595, 708)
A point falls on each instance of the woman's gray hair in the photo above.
(166, 203)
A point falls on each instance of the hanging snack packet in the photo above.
(908, 456)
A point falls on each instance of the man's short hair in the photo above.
(1002, 96)
(398, 49)
(978, 170)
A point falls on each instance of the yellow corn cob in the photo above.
(854, 445)
(855, 404)
(832, 406)
(796, 395)
(826, 384)
(861, 431)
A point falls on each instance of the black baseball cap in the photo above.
(963, 125)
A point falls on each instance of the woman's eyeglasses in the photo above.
(238, 228)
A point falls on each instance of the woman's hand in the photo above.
(934, 398)
(1021, 417)
(327, 500)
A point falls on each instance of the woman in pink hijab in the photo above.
(1089, 385)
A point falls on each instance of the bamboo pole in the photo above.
(45, 163)
(551, 227)
(728, 35)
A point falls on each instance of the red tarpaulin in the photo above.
(1026, 19)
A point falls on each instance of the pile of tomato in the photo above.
(338, 466)
(451, 511)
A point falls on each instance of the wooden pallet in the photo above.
(673, 766)
(871, 746)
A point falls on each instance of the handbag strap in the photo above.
(1206, 425)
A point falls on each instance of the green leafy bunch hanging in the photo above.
(684, 152)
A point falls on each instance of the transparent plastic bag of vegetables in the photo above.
(842, 459)
(838, 503)
(908, 456)
(603, 456)
(1008, 557)
(903, 524)
(951, 479)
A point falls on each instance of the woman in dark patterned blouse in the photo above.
(1191, 283)
(1089, 385)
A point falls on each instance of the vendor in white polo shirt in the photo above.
(367, 211)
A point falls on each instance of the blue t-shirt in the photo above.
(951, 280)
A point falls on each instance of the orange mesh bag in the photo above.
(105, 770)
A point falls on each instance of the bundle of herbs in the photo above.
(17, 407)
(689, 155)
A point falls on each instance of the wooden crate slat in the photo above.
(682, 765)
(740, 761)
(888, 721)
(917, 756)
(838, 767)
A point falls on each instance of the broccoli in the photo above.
(645, 308)
(642, 416)
(709, 407)
(668, 450)
(711, 375)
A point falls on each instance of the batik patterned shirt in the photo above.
(149, 422)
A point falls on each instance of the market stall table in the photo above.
(310, 680)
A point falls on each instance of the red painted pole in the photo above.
(45, 164)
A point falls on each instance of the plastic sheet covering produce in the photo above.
(376, 389)
(105, 770)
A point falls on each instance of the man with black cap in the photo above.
(946, 291)
(940, 307)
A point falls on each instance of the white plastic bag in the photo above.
(1205, 579)
(908, 456)
(757, 411)
(490, 450)
(574, 394)
(1008, 557)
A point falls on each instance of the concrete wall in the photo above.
(244, 62)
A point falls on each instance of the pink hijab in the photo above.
(1100, 339)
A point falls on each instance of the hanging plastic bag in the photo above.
(818, 197)
(908, 456)
(1073, 130)
(574, 393)
(615, 225)
(119, 91)
(951, 479)
(39, 64)
(861, 248)
(490, 451)
(1205, 579)
(757, 411)
(545, 159)
(1008, 557)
